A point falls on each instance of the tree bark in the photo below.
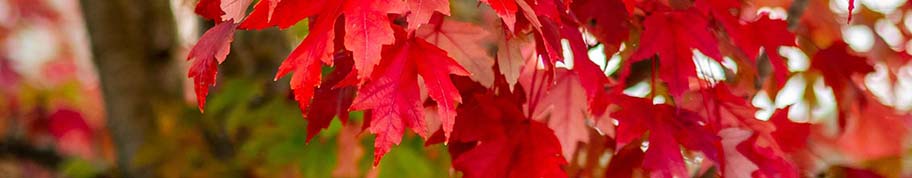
(133, 47)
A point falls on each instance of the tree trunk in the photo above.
(133, 45)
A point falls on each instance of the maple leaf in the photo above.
(605, 19)
(330, 101)
(668, 127)
(511, 58)
(546, 9)
(548, 42)
(771, 34)
(285, 13)
(764, 33)
(530, 151)
(435, 69)
(209, 51)
(749, 145)
(210, 9)
(663, 157)
(592, 78)
(422, 10)
(235, 10)
(528, 14)
(492, 138)
(463, 42)
(367, 29)
(567, 111)
(720, 107)
(672, 35)
(306, 59)
(506, 9)
(736, 163)
(393, 94)
(625, 161)
(401, 52)
(770, 161)
(838, 66)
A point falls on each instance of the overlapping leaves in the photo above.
(394, 58)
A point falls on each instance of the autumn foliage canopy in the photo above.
(520, 88)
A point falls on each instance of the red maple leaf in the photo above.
(464, 43)
(386, 47)
(210, 9)
(763, 33)
(673, 35)
(209, 51)
(592, 78)
(393, 95)
(769, 159)
(564, 109)
(285, 13)
(330, 101)
(838, 66)
(506, 9)
(367, 29)
(420, 11)
(625, 161)
(605, 19)
(746, 138)
(307, 59)
(668, 127)
(492, 138)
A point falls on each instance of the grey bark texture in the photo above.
(133, 45)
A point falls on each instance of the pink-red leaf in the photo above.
(235, 10)
(567, 106)
(464, 43)
(422, 10)
(435, 68)
(210, 51)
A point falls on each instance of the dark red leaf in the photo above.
(330, 101)
(672, 35)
